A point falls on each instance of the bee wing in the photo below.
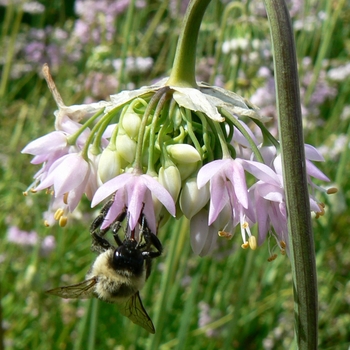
(134, 310)
(80, 290)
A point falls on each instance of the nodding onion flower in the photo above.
(163, 151)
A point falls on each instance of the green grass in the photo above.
(248, 301)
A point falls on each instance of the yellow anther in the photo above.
(25, 193)
(58, 214)
(65, 198)
(272, 258)
(283, 252)
(225, 234)
(33, 190)
(252, 242)
(63, 221)
(322, 205)
(245, 245)
(332, 190)
(283, 244)
(321, 212)
(46, 223)
(245, 225)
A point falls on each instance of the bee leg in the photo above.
(150, 238)
(99, 244)
(99, 219)
(116, 227)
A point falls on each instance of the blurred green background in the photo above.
(233, 299)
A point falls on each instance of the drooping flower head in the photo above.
(167, 150)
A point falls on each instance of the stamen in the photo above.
(33, 190)
(65, 198)
(46, 223)
(58, 214)
(25, 193)
(321, 212)
(283, 251)
(283, 244)
(63, 221)
(272, 258)
(252, 242)
(245, 245)
(332, 190)
(225, 234)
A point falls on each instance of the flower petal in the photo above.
(46, 144)
(110, 187)
(209, 170)
(160, 193)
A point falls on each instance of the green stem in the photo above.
(183, 72)
(10, 50)
(159, 97)
(302, 251)
(244, 132)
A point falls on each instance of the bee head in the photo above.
(128, 257)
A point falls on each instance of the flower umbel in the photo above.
(161, 147)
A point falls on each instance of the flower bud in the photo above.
(109, 165)
(192, 199)
(171, 180)
(126, 147)
(131, 123)
(183, 153)
(203, 237)
(187, 169)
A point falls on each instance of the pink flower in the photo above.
(228, 189)
(70, 175)
(269, 196)
(134, 192)
(53, 146)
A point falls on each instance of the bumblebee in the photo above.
(118, 273)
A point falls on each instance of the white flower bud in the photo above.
(126, 147)
(203, 237)
(192, 199)
(131, 123)
(109, 165)
(171, 180)
(187, 169)
(183, 153)
(224, 220)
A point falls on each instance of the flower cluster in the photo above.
(163, 151)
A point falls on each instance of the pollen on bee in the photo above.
(272, 257)
(252, 242)
(332, 190)
(58, 214)
(245, 245)
(225, 234)
(63, 221)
